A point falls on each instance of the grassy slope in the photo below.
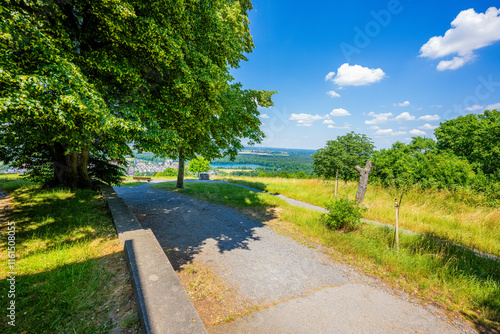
(449, 275)
(452, 217)
(71, 276)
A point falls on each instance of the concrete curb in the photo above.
(162, 302)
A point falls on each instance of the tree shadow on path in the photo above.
(186, 226)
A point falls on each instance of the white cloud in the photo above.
(474, 108)
(427, 126)
(264, 115)
(374, 127)
(356, 75)
(429, 118)
(379, 118)
(405, 117)
(305, 119)
(495, 106)
(389, 132)
(328, 121)
(329, 76)
(340, 112)
(469, 31)
(333, 93)
(346, 126)
(402, 104)
(417, 132)
(453, 64)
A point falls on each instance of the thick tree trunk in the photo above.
(82, 169)
(70, 169)
(180, 171)
(363, 180)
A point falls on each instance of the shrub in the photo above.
(343, 214)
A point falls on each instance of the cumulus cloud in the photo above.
(453, 64)
(305, 119)
(333, 93)
(389, 132)
(355, 75)
(328, 121)
(429, 118)
(418, 132)
(427, 126)
(474, 108)
(495, 106)
(329, 76)
(340, 112)
(469, 31)
(346, 126)
(402, 104)
(405, 117)
(264, 116)
(378, 118)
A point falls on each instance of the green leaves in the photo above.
(343, 154)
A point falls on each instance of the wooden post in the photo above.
(336, 183)
(396, 235)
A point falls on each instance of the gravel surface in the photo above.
(312, 294)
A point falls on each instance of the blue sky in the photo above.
(389, 69)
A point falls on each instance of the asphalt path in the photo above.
(306, 291)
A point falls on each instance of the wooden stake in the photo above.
(397, 225)
(336, 183)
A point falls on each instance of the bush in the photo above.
(343, 214)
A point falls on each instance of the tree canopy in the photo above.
(80, 80)
(199, 165)
(475, 138)
(343, 154)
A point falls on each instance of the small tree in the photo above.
(199, 165)
(342, 155)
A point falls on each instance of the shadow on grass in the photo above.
(45, 221)
(72, 298)
(256, 185)
(185, 226)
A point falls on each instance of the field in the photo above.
(454, 217)
(71, 276)
(436, 272)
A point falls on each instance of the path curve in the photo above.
(312, 294)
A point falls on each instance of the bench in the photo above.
(142, 178)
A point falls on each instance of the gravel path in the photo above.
(312, 294)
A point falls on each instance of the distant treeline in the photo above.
(293, 162)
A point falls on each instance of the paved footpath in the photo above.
(310, 293)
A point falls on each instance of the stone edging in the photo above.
(162, 302)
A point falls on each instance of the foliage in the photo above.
(169, 171)
(343, 214)
(81, 79)
(343, 154)
(420, 163)
(475, 138)
(199, 165)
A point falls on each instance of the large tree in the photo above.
(342, 155)
(80, 79)
(475, 138)
(210, 115)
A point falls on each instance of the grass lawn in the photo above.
(451, 276)
(71, 275)
(456, 217)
